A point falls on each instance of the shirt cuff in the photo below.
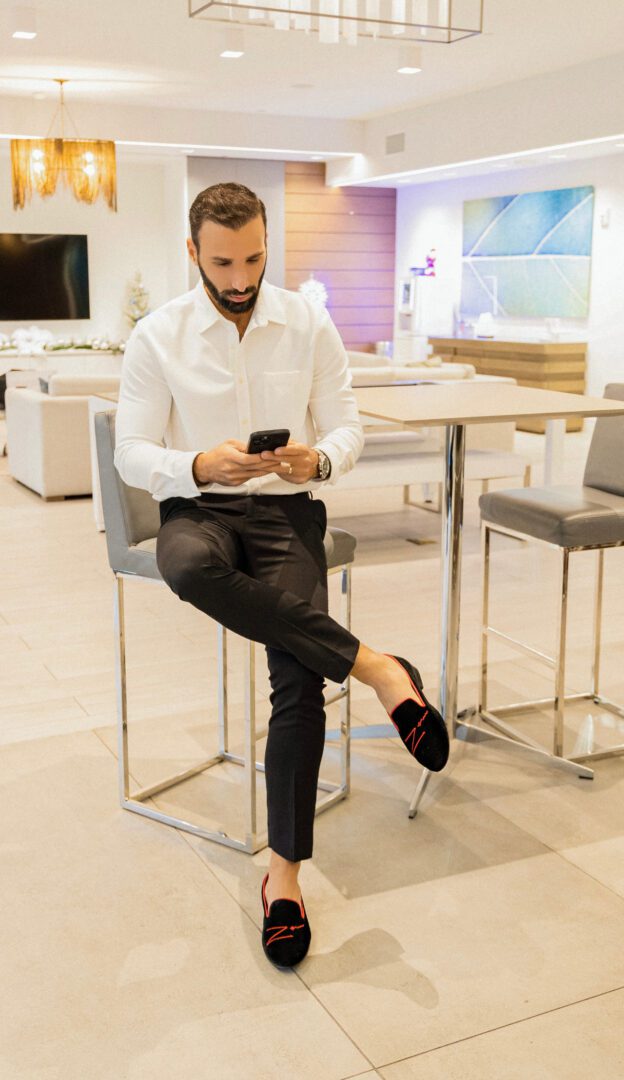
(333, 476)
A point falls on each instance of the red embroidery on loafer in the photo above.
(279, 935)
(415, 741)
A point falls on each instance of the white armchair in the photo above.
(48, 434)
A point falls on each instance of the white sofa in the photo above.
(395, 457)
(368, 368)
(48, 433)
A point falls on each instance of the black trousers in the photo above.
(257, 565)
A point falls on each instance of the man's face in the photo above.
(231, 263)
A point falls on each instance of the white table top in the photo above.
(470, 403)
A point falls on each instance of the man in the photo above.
(241, 534)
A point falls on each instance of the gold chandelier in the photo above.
(86, 166)
(401, 21)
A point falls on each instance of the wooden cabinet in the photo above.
(557, 365)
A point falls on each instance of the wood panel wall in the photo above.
(346, 237)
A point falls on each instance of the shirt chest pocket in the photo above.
(284, 398)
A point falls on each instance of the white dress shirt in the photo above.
(188, 384)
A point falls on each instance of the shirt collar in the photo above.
(269, 308)
(207, 314)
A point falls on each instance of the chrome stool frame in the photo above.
(493, 717)
(252, 841)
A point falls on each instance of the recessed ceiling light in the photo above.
(233, 44)
(23, 23)
(315, 157)
(620, 145)
(557, 157)
(409, 60)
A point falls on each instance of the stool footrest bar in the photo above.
(537, 654)
(177, 778)
(567, 764)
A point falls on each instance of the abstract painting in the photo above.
(528, 255)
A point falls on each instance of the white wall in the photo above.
(431, 216)
(578, 103)
(230, 132)
(148, 232)
(145, 234)
(266, 179)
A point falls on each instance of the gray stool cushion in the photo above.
(339, 547)
(568, 516)
(604, 468)
(339, 550)
(132, 517)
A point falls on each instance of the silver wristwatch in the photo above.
(324, 466)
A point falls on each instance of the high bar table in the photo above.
(453, 406)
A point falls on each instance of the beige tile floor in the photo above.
(480, 940)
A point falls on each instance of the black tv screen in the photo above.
(43, 276)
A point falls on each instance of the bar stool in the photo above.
(132, 520)
(567, 519)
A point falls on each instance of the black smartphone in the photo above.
(267, 440)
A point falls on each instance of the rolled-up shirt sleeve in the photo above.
(145, 400)
(332, 402)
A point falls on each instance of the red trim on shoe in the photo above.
(414, 688)
(266, 907)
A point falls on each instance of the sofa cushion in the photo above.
(370, 376)
(367, 359)
(83, 385)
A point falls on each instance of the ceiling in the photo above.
(149, 53)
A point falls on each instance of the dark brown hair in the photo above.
(231, 205)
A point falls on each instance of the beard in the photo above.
(222, 299)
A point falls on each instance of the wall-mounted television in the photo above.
(43, 276)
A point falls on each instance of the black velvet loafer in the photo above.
(286, 931)
(419, 724)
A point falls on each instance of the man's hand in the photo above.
(229, 465)
(303, 462)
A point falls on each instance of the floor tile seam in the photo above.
(587, 874)
(182, 836)
(80, 705)
(23, 640)
(132, 779)
(503, 1027)
(354, 1076)
(186, 840)
(484, 802)
(548, 848)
